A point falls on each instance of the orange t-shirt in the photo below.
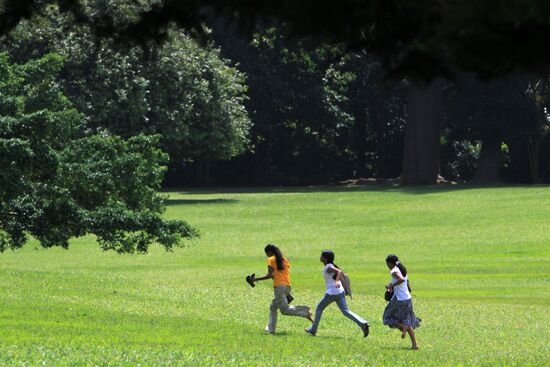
(280, 277)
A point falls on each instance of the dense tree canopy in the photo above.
(178, 89)
(347, 95)
(60, 182)
(424, 38)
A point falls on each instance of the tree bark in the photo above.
(488, 168)
(421, 153)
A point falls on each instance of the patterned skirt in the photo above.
(400, 312)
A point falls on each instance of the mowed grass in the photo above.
(478, 259)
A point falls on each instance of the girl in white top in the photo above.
(334, 293)
(400, 284)
(399, 312)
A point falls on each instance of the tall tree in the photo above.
(179, 89)
(418, 39)
(59, 182)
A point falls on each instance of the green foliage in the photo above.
(295, 135)
(371, 112)
(181, 90)
(318, 113)
(196, 101)
(418, 38)
(58, 182)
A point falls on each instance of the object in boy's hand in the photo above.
(250, 279)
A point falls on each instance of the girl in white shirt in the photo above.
(399, 312)
(334, 293)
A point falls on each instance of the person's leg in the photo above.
(302, 311)
(404, 328)
(325, 301)
(413, 337)
(342, 304)
(272, 325)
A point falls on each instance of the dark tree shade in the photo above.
(419, 38)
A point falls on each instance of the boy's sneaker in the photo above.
(309, 332)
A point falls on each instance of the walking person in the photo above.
(399, 312)
(334, 293)
(278, 269)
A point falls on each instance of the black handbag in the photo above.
(388, 294)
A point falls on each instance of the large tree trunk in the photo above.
(488, 168)
(422, 135)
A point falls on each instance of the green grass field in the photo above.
(478, 260)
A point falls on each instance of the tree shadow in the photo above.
(410, 190)
(170, 202)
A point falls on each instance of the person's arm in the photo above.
(338, 272)
(399, 277)
(269, 275)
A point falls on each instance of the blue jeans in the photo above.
(340, 300)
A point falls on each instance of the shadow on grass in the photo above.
(274, 335)
(397, 347)
(329, 337)
(199, 201)
(411, 190)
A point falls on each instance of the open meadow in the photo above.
(478, 261)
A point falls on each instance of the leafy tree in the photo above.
(179, 89)
(59, 182)
(358, 90)
(196, 102)
(421, 40)
(294, 138)
(320, 114)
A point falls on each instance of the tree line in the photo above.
(263, 108)
(323, 114)
(102, 102)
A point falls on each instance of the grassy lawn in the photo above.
(478, 260)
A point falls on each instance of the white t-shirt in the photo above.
(330, 283)
(400, 291)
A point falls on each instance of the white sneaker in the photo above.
(268, 331)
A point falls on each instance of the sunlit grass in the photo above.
(478, 260)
